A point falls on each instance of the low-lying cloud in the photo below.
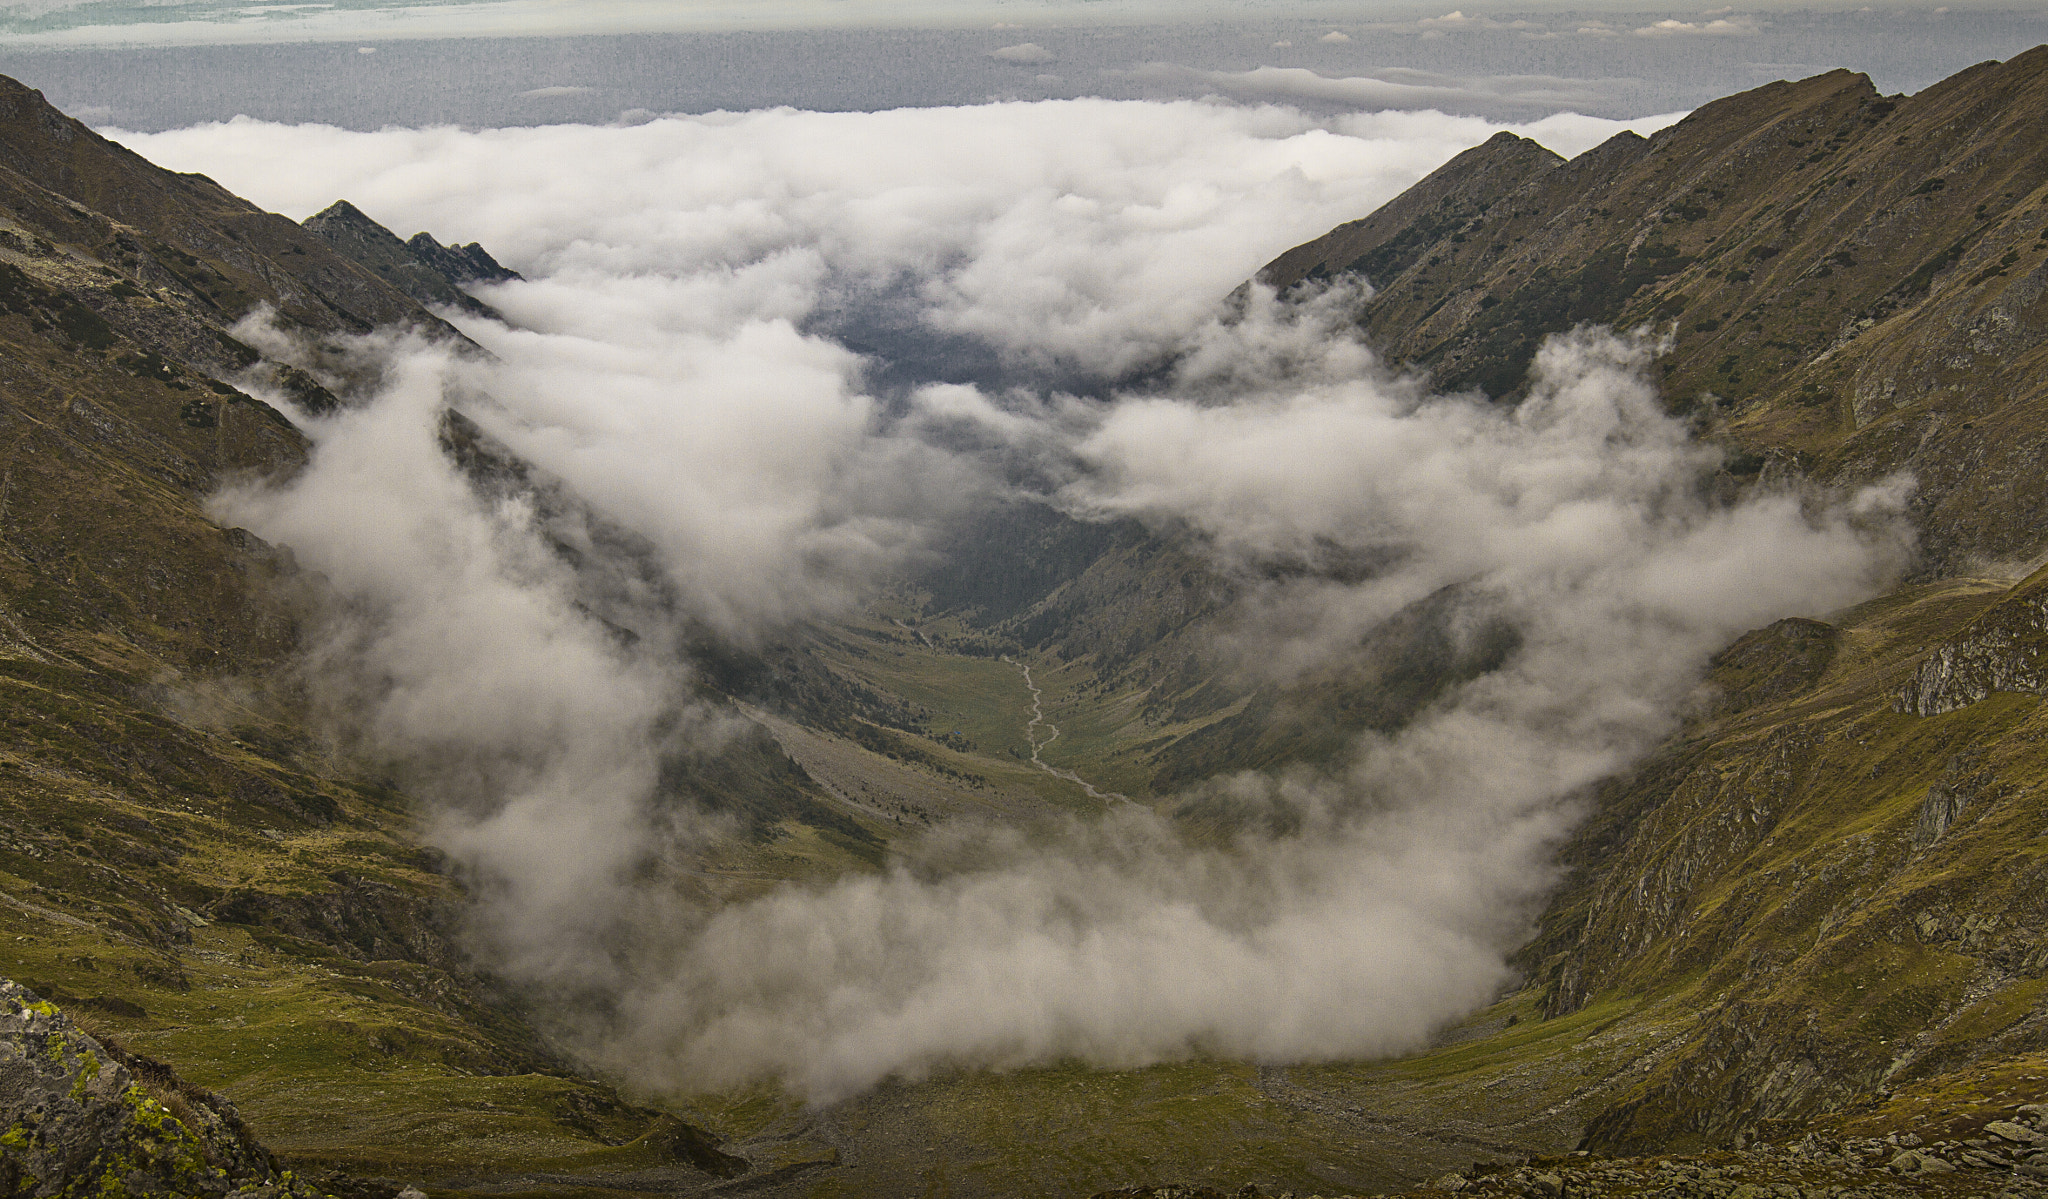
(1414, 867)
(1402, 87)
(680, 371)
(1087, 234)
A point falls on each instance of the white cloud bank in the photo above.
(1094, 231)
(673, 365)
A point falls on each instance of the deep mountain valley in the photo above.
(1811, 918)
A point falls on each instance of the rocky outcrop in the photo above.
(2006, 649)
(422, 268)
(361, 918)
(2007, 1157)
(83, 1118)
(460, 264)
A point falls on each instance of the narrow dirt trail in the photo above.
(1031, 735)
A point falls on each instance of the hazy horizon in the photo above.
(1620, 63)
(191, 22)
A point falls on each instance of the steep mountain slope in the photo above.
(1833, 875)
(181, 859)
(1850, 281)
(117, 216)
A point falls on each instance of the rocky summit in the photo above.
(1796, 952)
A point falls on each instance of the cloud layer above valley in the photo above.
(1095, 230)
(762, 358)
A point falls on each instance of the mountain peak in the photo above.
(1827, 259)
(461, 264)
(422, 268)
(341, 211)
(1469, 182)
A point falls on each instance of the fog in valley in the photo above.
(763, 361)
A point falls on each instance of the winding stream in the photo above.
(1031, 735)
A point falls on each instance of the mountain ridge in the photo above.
(1848, 279)
(419, 267)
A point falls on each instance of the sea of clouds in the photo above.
(769, 356)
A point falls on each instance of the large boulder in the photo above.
(85, 1118)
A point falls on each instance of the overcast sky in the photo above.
(108, 22)
(364, 65)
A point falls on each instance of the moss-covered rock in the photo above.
(85, 1119)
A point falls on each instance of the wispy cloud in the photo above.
(1405, 88)
(1720, 27)
(1024, 52)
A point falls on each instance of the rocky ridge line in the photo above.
(422, 268)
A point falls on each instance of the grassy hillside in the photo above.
(183, 865)
(1838, 892)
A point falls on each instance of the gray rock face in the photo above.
(1900, 1166)
(1937, 812)
(2019, 1134)
(2006, 649)
(83, 1118)
(1964, 782)
(1914, 1161)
